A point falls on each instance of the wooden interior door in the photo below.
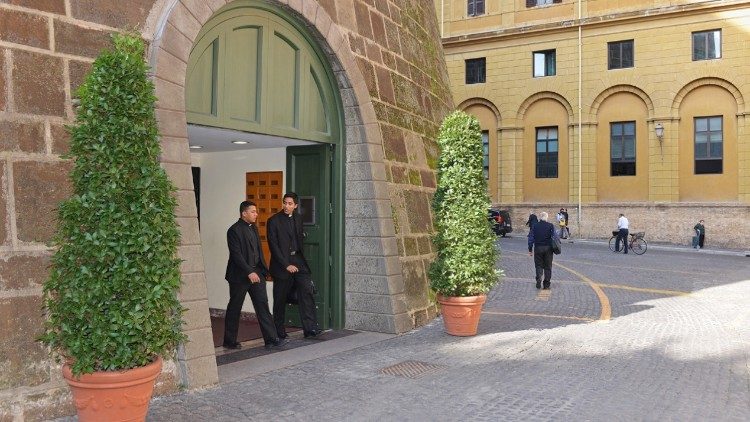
(265, 189)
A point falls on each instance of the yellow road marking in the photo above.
(606, 312)
(575, 261)
(544, 295)
(643, 289)
(537, 315)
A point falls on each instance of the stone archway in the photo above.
(372, 235)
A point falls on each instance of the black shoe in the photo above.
(283, 335)
(626, 253)
(546, 287)
(234, 346)
(276, 343)
(313, 333)
(538, 284)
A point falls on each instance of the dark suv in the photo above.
(499, 221)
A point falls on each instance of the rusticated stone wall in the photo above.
(392, 79)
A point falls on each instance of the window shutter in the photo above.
(530, 3)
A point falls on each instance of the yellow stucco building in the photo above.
(609, 106)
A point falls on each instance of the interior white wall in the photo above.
(222, 190)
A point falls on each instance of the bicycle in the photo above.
(637, 243)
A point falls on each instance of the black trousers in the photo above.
(302, 281)
(622, 235)
(701, 239)
(543, 263)
(259, 297)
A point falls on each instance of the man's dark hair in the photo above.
(292, 195)
(245, 205)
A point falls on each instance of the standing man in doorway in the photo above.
(246, 273)
(289, 268)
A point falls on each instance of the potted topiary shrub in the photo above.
(464, 269)
(111, 298)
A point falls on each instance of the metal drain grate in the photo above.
(411, 369)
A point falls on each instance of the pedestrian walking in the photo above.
(246, 274)
(567, 222)
(561, 222)
(700, 231)
(289, 268)
(622, 233)
(532, 220)
(540, 241)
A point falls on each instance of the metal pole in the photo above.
(580, 112)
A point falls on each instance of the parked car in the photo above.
(500, 221)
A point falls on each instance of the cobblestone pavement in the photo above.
(662, 336)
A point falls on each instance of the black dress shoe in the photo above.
(313, 333)
(276, 343)
(235, 346)
(538, 284)
(283, 335)
(546, 287)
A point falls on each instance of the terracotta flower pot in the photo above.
(461, 314)
(116, 396)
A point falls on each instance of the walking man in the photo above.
(622, 234)
(289, 268)
(540, 240)
(246, 273)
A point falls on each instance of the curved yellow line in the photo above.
(606, 312)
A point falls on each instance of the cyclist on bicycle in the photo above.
(622, 234)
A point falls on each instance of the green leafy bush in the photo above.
(111, 296)
(466, 254)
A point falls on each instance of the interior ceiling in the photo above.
(214, 139)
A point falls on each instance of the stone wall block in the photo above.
(78, 71)
(372, 265)
(80, 41)
(24, 28)
(174, 150)
(186, 204)
(60, 139)
(201, 372)
(180, 174)
(189, 233)
(170, 96)
(192, 258)
(382, 323)
(368, 209)
(170, 68)
(119, 14)
(3, 83)
(54, 404)
(174, 42)
(214, 4)
(38, 86)
(172, 123)
(193, 287)
(185, 22)
(369, 227)
(366, 190)
(23, 270)
(54, 6)
(4, 217)
(196, 315)
(21, 356)
(418, 210)
(198, 8)
(378, 304)
(415, 284)
(39, 186)
(200, 343)
(22, 136)
(368, 246)
(372, 284)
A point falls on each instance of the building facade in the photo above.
(604, 106)
(258, 84)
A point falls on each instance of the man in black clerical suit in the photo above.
(289, 268)
(246, 273)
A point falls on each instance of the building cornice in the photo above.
(605, 20)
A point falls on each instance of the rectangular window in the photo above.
(546, 152)
(620, 54)
(475, 70)
(475, 7)
(622, 148)
(707, 45)
(534, 3)
(544, 63)
(486, 154)
(709, 145)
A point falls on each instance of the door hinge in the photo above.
(330, 208)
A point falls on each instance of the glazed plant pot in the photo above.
(114, 396)
(461, 314)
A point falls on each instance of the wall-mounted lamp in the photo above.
(659, 129)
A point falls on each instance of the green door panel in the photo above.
(243, 57)
(284, 82)
(201, 80)
(309, 175)
(256, 71)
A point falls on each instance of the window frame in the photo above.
(483, 73)
(620, 44)
(706, 46)
(547, 154)
(471, 8)
(710, 164)
(486, 154)
(535, 3)
(622, 162)
(546, 66)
